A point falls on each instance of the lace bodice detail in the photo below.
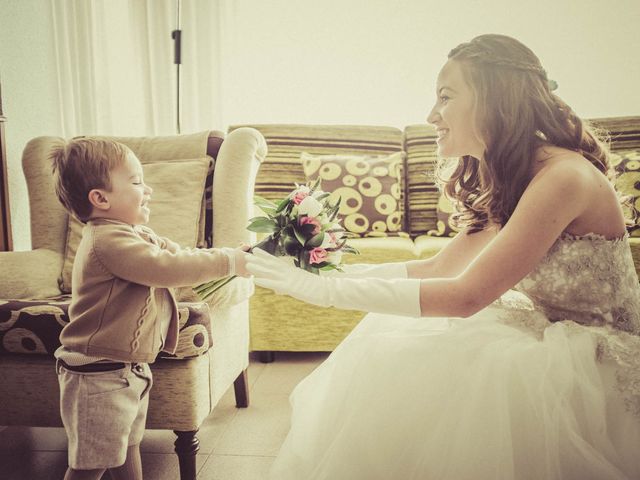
(586, 283)
(589, 280)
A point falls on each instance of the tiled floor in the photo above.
(235, 444)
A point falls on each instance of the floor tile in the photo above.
(52, 466)
(162, 441)
(234, 467)
(164, 466)
(258, 430)
(21, 439)
(281, 376)
(34, 465)
(256, 367)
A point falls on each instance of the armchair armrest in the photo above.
(30, 274)
(239, 159)
(234, 177)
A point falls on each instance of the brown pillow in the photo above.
(176, 207)
(370, 188)
(444, 210)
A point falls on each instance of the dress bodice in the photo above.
(589, 280)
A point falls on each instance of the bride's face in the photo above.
(454, 114)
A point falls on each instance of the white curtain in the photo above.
(116, 72)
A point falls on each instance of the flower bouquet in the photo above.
(301, 226)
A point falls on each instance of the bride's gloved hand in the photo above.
(399, 296)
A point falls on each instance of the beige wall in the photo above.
(336, 61)
(375, 61)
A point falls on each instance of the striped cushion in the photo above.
(624, 131)
(422, 192)
(283, 167)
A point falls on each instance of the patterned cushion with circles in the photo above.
(34, 326)
(370, 189)
(627, 166)
(445, 228)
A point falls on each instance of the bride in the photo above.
(513, 353)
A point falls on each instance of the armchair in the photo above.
(214, 337)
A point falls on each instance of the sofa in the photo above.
(280, 323)
(203, 187)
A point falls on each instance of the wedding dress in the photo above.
(543, 384)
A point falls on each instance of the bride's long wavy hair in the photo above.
(516, 113)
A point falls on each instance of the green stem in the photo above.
(206, 292)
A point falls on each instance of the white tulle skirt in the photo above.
(459, 399)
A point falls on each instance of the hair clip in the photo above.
(553, 85)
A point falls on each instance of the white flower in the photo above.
(335, 257)
(327, 242)
(300, 189)
(310, 206)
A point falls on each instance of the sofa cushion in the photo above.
(381, 250)
(627, 166)
(421, 189)
(370, 189)
(17, 284)
(33, 327)
(176, 207)
(426, 246)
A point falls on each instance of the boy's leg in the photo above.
(84, 474)
(132, 467)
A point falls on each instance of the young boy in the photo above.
(123, 311)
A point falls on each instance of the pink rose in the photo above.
(299, 196)
(311, 221)
(317, 255)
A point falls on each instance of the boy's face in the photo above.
(128, 200)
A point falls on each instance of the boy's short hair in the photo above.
(81, 165)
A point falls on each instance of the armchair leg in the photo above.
(267, 356)
(187, 446)
(241, 388)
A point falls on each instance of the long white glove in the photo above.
(369, 270)
(399, 296)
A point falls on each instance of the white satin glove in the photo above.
(369, 270)
(399, 296)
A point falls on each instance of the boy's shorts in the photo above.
(103, 413)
